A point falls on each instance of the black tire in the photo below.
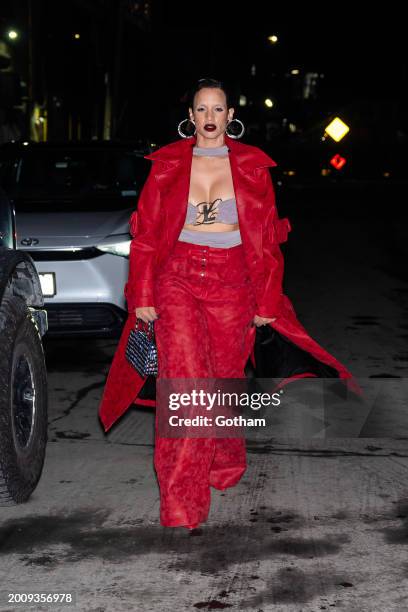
(23, 402)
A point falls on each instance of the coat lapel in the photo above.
(249, 197)
(173, 178)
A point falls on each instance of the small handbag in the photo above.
(141, 350)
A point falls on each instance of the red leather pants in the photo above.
(206, 305)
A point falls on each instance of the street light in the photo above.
(268, 102)
(12, 34)
(273, 39)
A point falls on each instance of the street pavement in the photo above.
(316, 523)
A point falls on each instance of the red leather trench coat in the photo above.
(155, 226)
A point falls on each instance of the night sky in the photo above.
(357, 51)
(362, 55)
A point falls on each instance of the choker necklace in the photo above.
(210, 151)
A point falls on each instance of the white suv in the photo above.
(73, 202)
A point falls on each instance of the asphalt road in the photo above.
(317, 523)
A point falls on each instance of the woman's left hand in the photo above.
(258, 321)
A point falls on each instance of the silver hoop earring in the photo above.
(235, 135)
(182, 133)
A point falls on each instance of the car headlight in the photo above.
(117, 248)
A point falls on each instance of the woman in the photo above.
(206, 267)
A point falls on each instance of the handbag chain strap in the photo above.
(150, 327)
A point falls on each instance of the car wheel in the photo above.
(23, 402)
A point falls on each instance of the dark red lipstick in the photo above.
(210, 127)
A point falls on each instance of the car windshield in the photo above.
(67, 180)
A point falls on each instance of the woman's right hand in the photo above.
(146, 313)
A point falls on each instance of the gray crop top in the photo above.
(218, 211)
(206, 213)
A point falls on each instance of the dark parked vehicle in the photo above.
(23, 375)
